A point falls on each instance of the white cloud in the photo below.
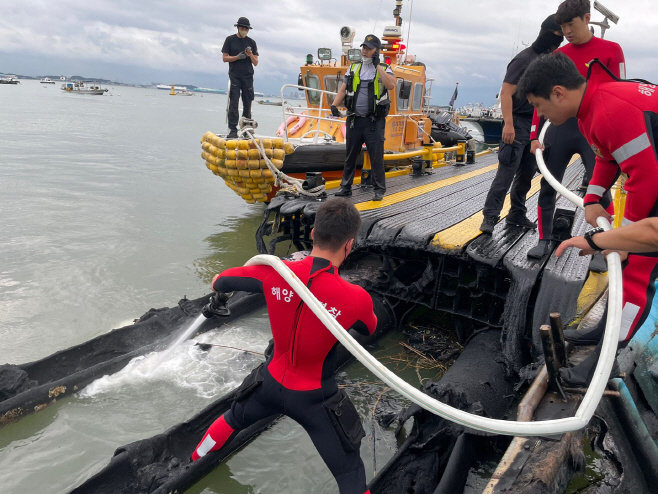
(186, 36)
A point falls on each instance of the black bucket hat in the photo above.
(372, 41)
(243, 22)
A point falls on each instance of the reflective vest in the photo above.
(378, 98)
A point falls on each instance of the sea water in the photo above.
(107, 210)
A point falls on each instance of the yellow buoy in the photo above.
(277, 143)
(253, 164)
(244, 145)
(232, 144)
(278, 154)
(241, 164)
(253, 154)
(288, 148)
(278, 164)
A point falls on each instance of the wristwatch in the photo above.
(588, 238)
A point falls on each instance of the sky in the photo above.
(173, 41)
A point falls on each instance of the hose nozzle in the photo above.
(216, 306)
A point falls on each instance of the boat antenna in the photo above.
(374, 29)
(411, 9)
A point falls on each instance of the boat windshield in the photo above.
(313, 81)
(331, 83)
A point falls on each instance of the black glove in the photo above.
(334, 111)
(242, 55)
(375, 60)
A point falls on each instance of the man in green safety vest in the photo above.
(365, 95)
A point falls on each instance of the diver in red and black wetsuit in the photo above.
(563, 141)
(620, 121)
(297, 380)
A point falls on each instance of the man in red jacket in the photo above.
(566, 140)
(298, 378)
(620, 121)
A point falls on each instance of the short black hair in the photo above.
(336, 222)
(570, 9)
(546, 72)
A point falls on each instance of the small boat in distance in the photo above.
(208, 90)
(268, 102)
(47, 80)
(258, 95)
(79, 87)
(167, 87)
(9, 79)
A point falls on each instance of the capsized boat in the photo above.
(317, 138)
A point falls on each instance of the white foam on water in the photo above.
(208, 373)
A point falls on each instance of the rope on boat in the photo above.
(287, 183)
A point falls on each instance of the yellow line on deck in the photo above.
(457, 236)
(423, 189)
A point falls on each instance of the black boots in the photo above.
(580, 376)
(591, 336)
(343, 193)
(543, 248)
(520, 220)
(488, 224)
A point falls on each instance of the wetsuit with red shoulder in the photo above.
(298, 378)
(620, 121)
(563, 141)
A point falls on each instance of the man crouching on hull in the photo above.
(627, 145)
(297, 380)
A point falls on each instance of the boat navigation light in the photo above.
(354, 55)
(309, 59)
(324, 53)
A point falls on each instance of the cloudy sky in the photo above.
(144, 41)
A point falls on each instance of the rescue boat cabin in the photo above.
(408, 126)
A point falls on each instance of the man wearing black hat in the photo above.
(241, 53)
(365, 92)
(517, 164)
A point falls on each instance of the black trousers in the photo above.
(360, 130)
(562, 142)
(244, 85)
(516, 167)
(307, 409)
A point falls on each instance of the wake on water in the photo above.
(183, 364)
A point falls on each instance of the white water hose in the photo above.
(511, 428)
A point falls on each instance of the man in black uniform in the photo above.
(517, 164)
(241, 53)
(365, 92)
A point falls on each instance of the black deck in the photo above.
(425, 236)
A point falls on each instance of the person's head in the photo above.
(336, 224)
(554, 86)
(550, 36)
(573, 17)
(369, 46)
(243, 27)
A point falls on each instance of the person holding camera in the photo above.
(241, 53)
(365, 94)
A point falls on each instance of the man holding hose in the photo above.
(297, 379)
(619, 119)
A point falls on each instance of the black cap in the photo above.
(550, 24)
(372, 41)
(243, 22)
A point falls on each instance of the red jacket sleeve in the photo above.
(617, 63)
(604, 176)
(534, 130)
(630, 145)
(366, 320)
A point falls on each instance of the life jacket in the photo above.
(378, 99)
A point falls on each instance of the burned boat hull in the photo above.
(33, 386)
